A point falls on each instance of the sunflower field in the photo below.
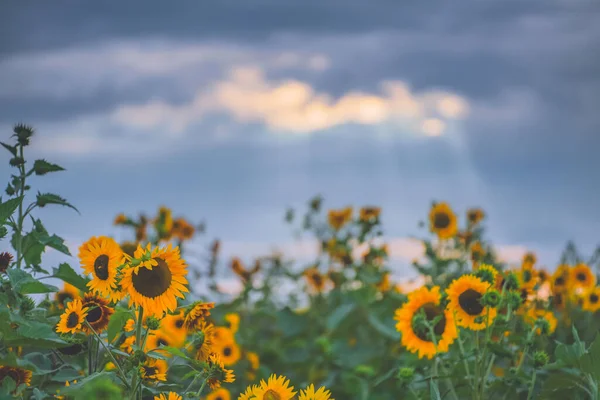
(127, 320)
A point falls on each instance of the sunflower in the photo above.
(310, 394)
(223, 334)
(164, 223)
(128, 248)
(315, 279)
(414, 338)
(174, 324)
(475, 215)
(369, 214)
(101, 257)
(487, 273)
(98, 313)
(120, 219)
(127, 345)
(338, 218)
(248, 394)
(203, 341)
(72, 319)
(233, 319)
(238, 268)
(19, 375)
(443, 221)
(158, 339)
(384, 284)
(156, 284)
(154, 370)
(558, 301)
(591, 300)
(543, 276)
(527, 278)
(219, 394)
(68, 293)
(229, 351)
(196, 313)
(561, 279)
(129, 325)
(464, 295)
(182, 229)
(534, 314)
(582, 277)
(276, 387)
(529, 259)
(218, 372)
(169, 396)
(253, 359)
(477, 253)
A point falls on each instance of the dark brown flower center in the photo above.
(227, 351)
(94, 314)
(271, 395)
(150, 371)
(318, 281)
(179, 323)
(470, 302)
(101, 267)
(559, 281)
(162, 342)
(152, 282)
(63, 296)
(441, 220)
(431, 312)
(593, 298)
(581, 277)
(72, 320)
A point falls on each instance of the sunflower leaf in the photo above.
(8, 207)
(12, 149)
(337, 316)
(42, 167)
(24, 283)
(117, 323)
(383, 328)
(55, 242)
(42, 199)
(68, 274)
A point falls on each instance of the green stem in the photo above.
(463, 355)
(138, 341)
(412, 391)
(112, 357)
(530, 394)
(90, 353)
(20, 220)
(202, 387)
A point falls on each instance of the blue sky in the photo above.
(231, 112)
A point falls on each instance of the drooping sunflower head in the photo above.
(529, 259)
(582, 277)
(464, 296)
(420, 311)
(197, 313)
(120, 219)
(475, 215)
(338, 218)
(561, 279)
(228, 350)
(276, 387)
(72, 319)
(591, 300)
(315, 279)
(202, 342)
(164, 222)
(477, 253)
(233, 320)
(217, 373)
(155, 284)
(5, 260)
(20, 375)
(98, 312)
(101, 257)
(310, 394)
(443, 221)
(154, 370)
(68, 293)
(369, 214)
(219, 394)
(168, 396)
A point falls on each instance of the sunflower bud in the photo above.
(511, 282)
(23, 133)
(27, 304)
(540, 359)
(16, 161)
(491, 298)
(153, 323)
(514, 299)
(325, 344)
(544, 325)
(406, 374)
(365, 370)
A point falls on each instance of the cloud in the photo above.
(295, 106)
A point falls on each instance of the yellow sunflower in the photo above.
(169, 396)
(442, 221)
(174, 324)
(19, 375)
(158, 339)
(129, 325)
(120, 219)
(156, 284)
(338, 218)
(561, 279)
(489, 272)
(253, 359)
(310, 394)
(219, 394)
(164, 223)
(543, 276)
(414, 338)
(233, 319)
(529, 260)
(248, 394)
(276, 387)
(591, 300)
(477, 253)
(154, 370)
(558, 301)
(203, 341)
(128, 248)
(101, 257)
(369, 214)
(68, 293)
(533, 314)
(582, 277)
(219, 374)
(315, 279)
(196, 313)
(98, 313)
(475, 215)
(384, 284)
(229, 351)
(464, 295)
(127, 345)
(223, 334)
(528, 278)
(71, 320)
(182, 229)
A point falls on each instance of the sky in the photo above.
(229, 112)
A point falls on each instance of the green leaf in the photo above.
(590, 361)
(176, 352)
(24, 283)
(42, 199)
(385, 330)
(32, 248)
(8, 208)
(55, 242)
(68, 274)
(42, 167)
(385, 376)
(117, 322)
(434, 391)
(12, 149)
(338, 315)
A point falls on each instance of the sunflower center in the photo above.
(94, 314)
(441, 220)
(581, 277)
(162, 342)
(14, 374)
(101, 267)
(179, 323)
(153, 282)
(72, 320)
(469, 301)
(150, 371)
(559, 281)
(431, 312)
(218, 398)
(317, 279)
(271, 395)
(62, 296)
(227, 351)
(593, 298)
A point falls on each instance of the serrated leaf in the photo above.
(24, 283)
(42, 167)
(32, 249)
(68, 274)
(42, 199)
(55, 242)
(590, 361)
(116, 323)
(8, 208)
(385, 330)
(338, 315)
(12, 149)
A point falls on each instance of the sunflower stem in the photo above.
(20, 220)
(90, 353)
(114, 360)
(464, 357)
(202, 387)
(532, 386)
(191, 384)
